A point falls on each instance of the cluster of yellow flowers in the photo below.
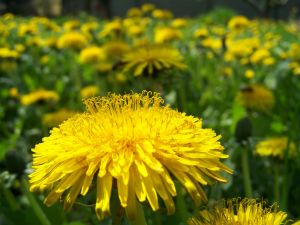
(133, 145)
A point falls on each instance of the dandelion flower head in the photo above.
(133, 142)
(275, 146)
(245, 212)
(256, 97)
(150, 58)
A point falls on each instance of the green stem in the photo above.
(276, 185)
(34, 204)
(286, 179)
(246, 173)
(10, 198)
(140, 219)
(180, 203)
(117, 214)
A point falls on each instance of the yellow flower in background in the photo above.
(121, 77)
(71, 25)
(104, 67)
(293, 52)
(227, 71)
(92, 54)
(13, 92)
(260, 55)
(44, 59)
(134, 142)
(134, 12)
(50, 42)
(148, 7)
(241, 47)
(89, 27)
(40, 95)
(162, 14)
(166, 34)
(8, 66)
(218, 30)
(115, 49)
(19, 48)
(249, 74)
(7, 53)
(269, 61)
(55, 118)
(72, 40)
(256, 97)
(89, 91)
(238, 22)
(8, 16)
(179, 23)
(112, 28)
(275, 146)
(244, 212)
(135, 30)
(150, 58)
(201, 33)
(212, 43)
(27, 29)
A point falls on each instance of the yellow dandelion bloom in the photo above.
(92, 54)
(134, 142)
(275, 146)
(27, 29)
(104, 67)
(115, 49)
(89, 91)
(245, 212)
(14, 92)
(39, 96)
(9, 53)
(72, 40)
(238, 22)
(201, 33)
(56, 118)
(71, 25)
(150, 58)
(259, 55)
(135, 30)
(162, 14)
(212, 43)
(134, 12)
(249, 74)
(166, 34)
(227, 71)
(147, 7)
(256, 97)
(179, 23)
(112, 28)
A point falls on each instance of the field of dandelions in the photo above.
(149, 119)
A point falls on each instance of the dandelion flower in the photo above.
(167, 34)
(256, 97)
(238, 22)
(147, 59)
(275, 146)
(89, 91)
(115, 49)
(72, 40)
(245, 212)
(8, 53)
(134, 142)
(56, 118)
(92, 54)
(39, 96)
